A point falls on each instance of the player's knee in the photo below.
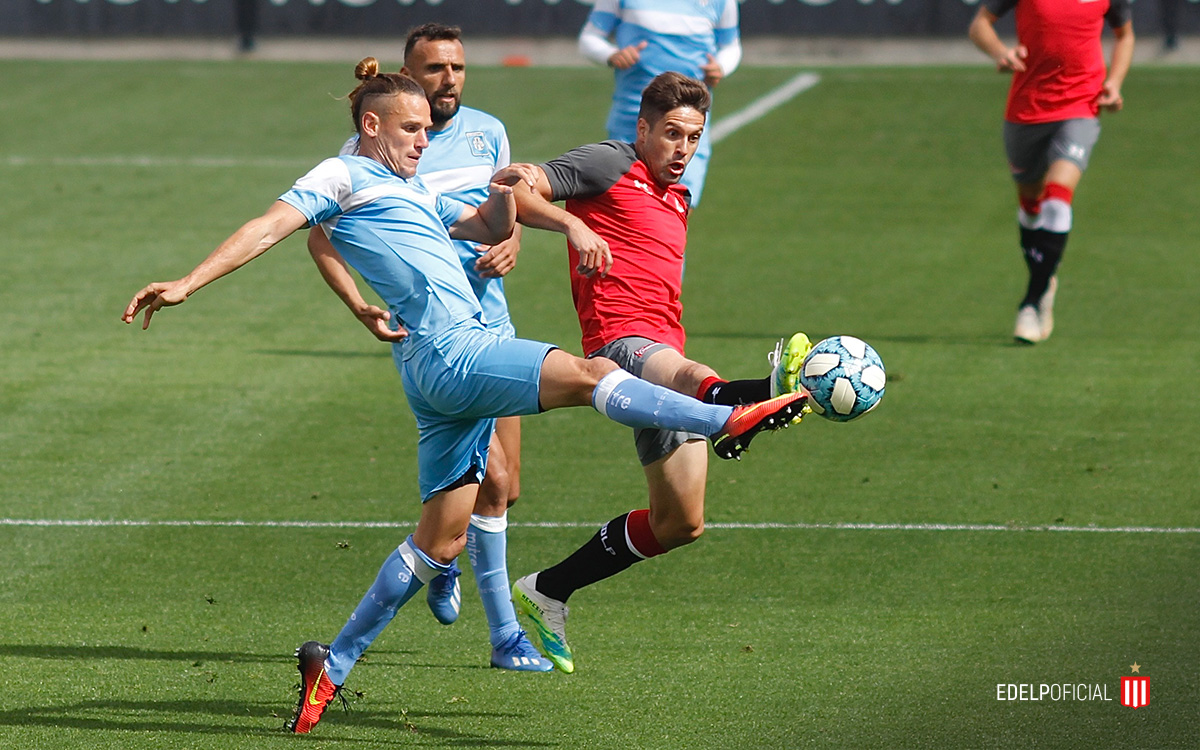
(677, 532)
(514, 480)
(596, 368)
(446, 551)
(494, 492)
(589, 373)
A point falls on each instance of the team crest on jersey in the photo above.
(478, 144)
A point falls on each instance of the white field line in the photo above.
(721, 130)
(962, 527)
(758, 108)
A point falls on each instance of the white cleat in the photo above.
(1029, 327)
(1045, 308)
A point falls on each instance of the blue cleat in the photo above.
(445, 595)
(519, 655)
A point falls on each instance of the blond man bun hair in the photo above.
(368, 67)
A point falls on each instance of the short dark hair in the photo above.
(431, 32)
(670, 91)
(373, 84)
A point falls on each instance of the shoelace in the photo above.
(774, 357)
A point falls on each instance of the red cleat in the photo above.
(316, 689)
(747, 421)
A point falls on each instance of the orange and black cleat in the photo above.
(747, 421)
(316, 689)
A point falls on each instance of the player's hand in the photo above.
(514, 174)
(376, 320)
(497, 260)
(153, 298)
(712, 72)
(626, 58)
(1013, 60)
(594, 254)
(1109, 98)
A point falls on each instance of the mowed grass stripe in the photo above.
(984, 527)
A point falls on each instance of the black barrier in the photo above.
(484, 18)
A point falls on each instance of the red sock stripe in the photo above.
(1056, 190)
(708, 383)
(1031, 205)
(641, 538)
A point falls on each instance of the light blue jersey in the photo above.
(680, 35)
(459, 163)
(393, 231)
(456, 373)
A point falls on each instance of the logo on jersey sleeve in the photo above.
(478, 144)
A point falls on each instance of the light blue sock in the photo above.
(403, 574)
(487, 544)
(634, 402)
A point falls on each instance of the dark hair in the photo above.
(670, 91)
(375, 85)
(431, 32)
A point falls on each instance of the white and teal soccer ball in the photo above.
(844, 377)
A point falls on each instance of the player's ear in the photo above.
(370, 124)
(643, 128)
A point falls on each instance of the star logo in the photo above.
(1135, 667)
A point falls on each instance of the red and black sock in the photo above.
(618, 544)
(734, 392)
(1047, 243)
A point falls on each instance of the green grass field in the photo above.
(875, 204)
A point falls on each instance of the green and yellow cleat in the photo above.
(786, 361)
(549, 619)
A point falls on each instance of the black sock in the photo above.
(604, 555)
(1042, 255)
(738, 392)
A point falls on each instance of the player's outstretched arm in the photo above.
(254, 238)
(493, 221)
(534, 209)
(983, 33)
(333, 269)
(1122, 56)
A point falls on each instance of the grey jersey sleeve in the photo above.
(588, 170)
(1120, 12)
(999, 7)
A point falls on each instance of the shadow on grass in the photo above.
(206, 718)
(130, 652)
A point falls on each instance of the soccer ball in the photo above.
(844, 376)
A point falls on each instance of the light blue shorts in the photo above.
(457, 383)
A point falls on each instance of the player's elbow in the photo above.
(498, 234)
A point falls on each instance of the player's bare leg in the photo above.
(508, 433)
(677, 484)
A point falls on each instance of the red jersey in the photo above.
(1065, 70)
(645, 226)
